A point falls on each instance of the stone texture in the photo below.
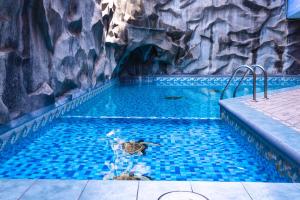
(204, 37)
(49, 47)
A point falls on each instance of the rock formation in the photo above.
(49, 47)
(205, 37)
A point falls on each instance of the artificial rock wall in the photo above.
(50, 47)
(47, 48)
(204, 37)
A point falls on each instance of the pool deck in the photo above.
(275, 119)
(282, 106)
(142, 190)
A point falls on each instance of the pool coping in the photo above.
(142, 190)
(285, 139)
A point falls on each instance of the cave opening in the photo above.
(144, 60)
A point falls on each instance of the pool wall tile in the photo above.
(175, 80)
(24, 128)
(276, 141)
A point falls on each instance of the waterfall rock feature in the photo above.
(50, 47)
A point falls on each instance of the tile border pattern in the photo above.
(207, 80)
(23, 131)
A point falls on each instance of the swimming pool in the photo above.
(164, 100)
(180, 124)
(76, 148)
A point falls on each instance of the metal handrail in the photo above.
(240, 82)
(265, 79)
(234, 74)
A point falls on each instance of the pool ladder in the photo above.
(251, 69)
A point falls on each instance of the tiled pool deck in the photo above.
(142, 190)
(271, 119)
(282, 106)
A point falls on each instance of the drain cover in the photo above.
(182, 195)
(173, 97)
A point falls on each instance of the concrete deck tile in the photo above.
(281, 106)
(221, 190)
(55, 189)
(13, 189)
(110, 190)
(273, 191)
(152, 190)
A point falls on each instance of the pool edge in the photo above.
(271, 133)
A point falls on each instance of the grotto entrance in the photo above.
(144, 60)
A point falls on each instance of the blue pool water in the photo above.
(151, 100)
(86, 142)
(189, 150)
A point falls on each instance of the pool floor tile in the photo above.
(152, 190)
(54, 190)
(110, 190)
(273, 191)
(13, 189)
(221, 190)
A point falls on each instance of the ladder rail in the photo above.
(234, 74)
(265, 74)
(240, 82)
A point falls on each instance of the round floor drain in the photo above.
(182, 195)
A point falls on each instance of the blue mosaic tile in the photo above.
(76, 148)
(66, 148)
(20, 128)
(210, 80)
(147, 99)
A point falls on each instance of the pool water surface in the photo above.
(152, 100)
(180, 125)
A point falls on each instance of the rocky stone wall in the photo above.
(47, 48)
(50, 47)
(205, 37)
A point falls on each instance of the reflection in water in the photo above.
(110, 105)
(209, 92)
(123, 165)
